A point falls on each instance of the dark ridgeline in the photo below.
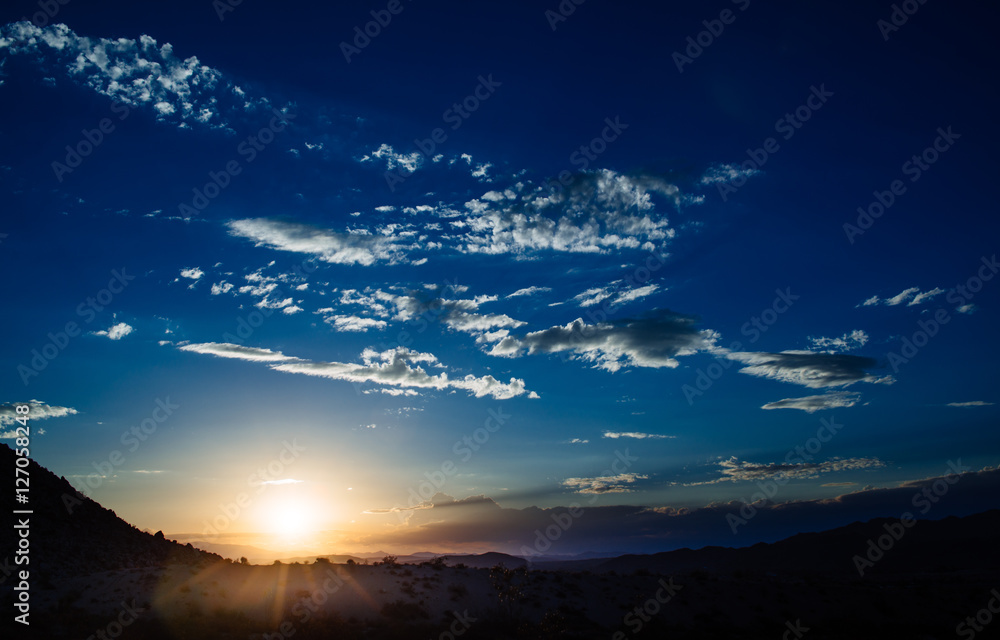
(71, 535)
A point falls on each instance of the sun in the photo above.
(291, 520)
(288, 514)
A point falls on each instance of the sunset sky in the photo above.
(520, 259)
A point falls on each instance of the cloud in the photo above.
(354, 323)
(236, 351)
(811, 404)
(635, 435)
(421, 307)
(529, 291)
(329, 246)
(116, 332)
(735, 470)
(397, 367)
(408, 161)
(577, 441)
(722, 173)
(971, 403)
(39, 411)
(913, 295)
(599, 212)
(193, 273)
(847, 342)
(621, 483)
(221, 287)
(654, 341)
(812, 370)
(133, 72)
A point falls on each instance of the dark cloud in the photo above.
(654, 340)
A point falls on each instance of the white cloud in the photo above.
(529, 291)
(971, 403)
(913, 296)
(847, 342)
(38, 411)
(577, 441)
(115, 332)
(727, 173)
(636, 435)
(811, 404)
(408, 161)
(355, 323)
(599, 212)
(617, 290)
(329, 246)
(133, 72)
(221, 287)
(239, 352)
(194, 273)
(399, 367)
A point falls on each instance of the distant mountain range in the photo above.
(73, 535)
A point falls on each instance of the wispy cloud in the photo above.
(637, 435)
(327, 245)
(736, 470)
(812, 404)
(847, 342)
(912, 296)
(38, 411)
(809, 369)
(971, 403)
(399, 367)
(529, 291)
(621, 483)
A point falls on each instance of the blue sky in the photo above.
(499, 249)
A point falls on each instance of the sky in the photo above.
(555, 276)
